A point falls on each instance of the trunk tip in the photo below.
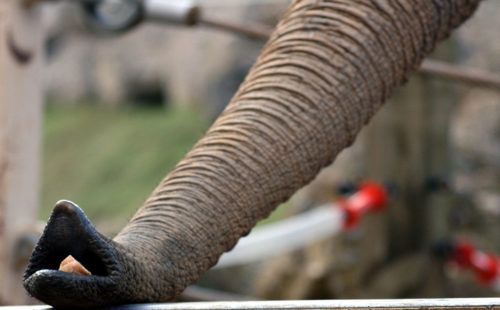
(65, 209)
(66, 206)
(73, 262)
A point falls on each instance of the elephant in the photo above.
(327, 68)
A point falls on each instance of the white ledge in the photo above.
(442, 303)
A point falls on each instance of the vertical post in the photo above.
(408, 146)
(20, 119)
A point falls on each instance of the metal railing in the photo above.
(122, 15)
(399, 304)
(308, 227)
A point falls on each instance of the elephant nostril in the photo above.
(71, 265)
(69, 243)
(79, 262)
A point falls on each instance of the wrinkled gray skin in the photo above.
(325, 71)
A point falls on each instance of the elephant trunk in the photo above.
(325, 71)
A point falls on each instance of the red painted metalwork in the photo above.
(371, 196)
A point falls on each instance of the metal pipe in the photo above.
(460, 303)
(284, 236)
(317, 224)
(184, 12)
(257, 32)
(431, 67)
(341, 304)
(187, 12)
(233, 3)
(466, 75)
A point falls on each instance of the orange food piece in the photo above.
(71, 265)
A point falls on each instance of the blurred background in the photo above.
(120, 110)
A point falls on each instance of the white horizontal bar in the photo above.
(213, 3)
(177, 11)
(442, 303)
(284, 236)
(473, 303)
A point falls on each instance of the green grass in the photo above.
(108, 160)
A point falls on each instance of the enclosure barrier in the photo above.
(188, 12)
(386, 304)
(308, 227)
(485, 266)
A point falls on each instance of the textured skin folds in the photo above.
(327, 68)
